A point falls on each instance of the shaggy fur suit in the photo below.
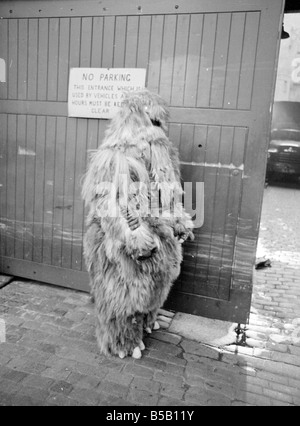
(136, 223)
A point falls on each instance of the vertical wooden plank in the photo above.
(193, 280)
(210, 173)
(75, 38)
(63, 59)
(120, 41)
(58, 195)
(108, 41)
(22, 58)
(131, 41)
(78, 211)
(86, 42)
(174, 134)
(20, 186)
(233, 202)
(248, 60)
(167, 59)
(39, 189)
(197, 276)
(193, 60)
(239, 146)
(234, 61)
(30, 165)
(11, 168)
(143, 42)
(68, 201)
(180, 59)
(156, 35)
(91, 146)
(92, 139)
(52, 83)
(221, 257)
(211, 179)
(42, 59)
(243, 260)
(12, 59)
(3, 182)
(199, 147)
(206, 64)
(199, 150)
(220, 60)
(32, 59)
(48, 189)
(97, 42)
(102, 126)
(186, 142)
(4, 55)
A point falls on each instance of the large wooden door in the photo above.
(213, 61)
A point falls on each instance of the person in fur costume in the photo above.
(136, 223)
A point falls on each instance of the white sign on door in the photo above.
(98, 92)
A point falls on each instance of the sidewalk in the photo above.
(50, 356)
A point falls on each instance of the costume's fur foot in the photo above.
(137, 354)
(141, 345)
(148, 330)
(156, 326)
(122, 354)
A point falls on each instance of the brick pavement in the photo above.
(50, 356)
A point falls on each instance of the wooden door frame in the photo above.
(251, 197)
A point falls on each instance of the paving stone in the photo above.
(4, 280)
(4, 359)
(37, 381)
(35, 394)
(6, 399)
(8, 387)
(114, 401)
(86, 396)
(139, 371)
(160, 358)
(196, 396)
(62, 387)
(166, 401)
(139, 383)
(172, 391)
(56, 374)
(143, 397)
(202, 350)
(60, 400)
(162, 347)
(152, 363)
(167, 337)
(13, 375)
(163, 377)
(83, 382)
(112, 388)
(120, 378)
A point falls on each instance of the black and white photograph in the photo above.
(149, 206)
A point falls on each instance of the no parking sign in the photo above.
(98, 92)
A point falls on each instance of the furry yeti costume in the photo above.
(136, 223)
